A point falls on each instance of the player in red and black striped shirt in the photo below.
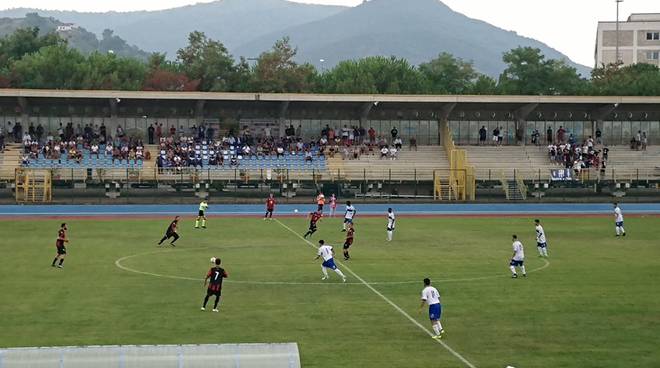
(314, 217)
(349, 241)
(171, 232)
(214, 278)
(60, 245)
(270, 207)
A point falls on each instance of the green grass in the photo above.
(596, 305)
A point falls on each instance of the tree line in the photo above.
(28, 60)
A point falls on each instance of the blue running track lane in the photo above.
(365, 209)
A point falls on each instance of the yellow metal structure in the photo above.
(33, 185)
(461, 182)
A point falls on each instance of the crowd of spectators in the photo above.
(353, 142)
(578, 157)
(73, 144)
(196, 151)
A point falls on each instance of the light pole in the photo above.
(618, 56)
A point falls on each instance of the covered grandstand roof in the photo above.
(422, 107)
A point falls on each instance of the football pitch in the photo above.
(594, 303)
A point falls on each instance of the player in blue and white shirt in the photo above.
(349, 214)
(518, 258)
(618, 221)
(431, 297)
(541, 243)
(327, 253)
(391, 223)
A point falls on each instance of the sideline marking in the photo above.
(386, 299)
(119, 265)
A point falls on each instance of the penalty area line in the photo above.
(388, 301)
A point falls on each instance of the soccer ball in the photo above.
(212, 259)
(295, 211)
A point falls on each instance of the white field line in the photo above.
(120, 265)
(386, 299)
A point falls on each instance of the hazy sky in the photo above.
(567, 25)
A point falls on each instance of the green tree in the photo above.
(529, 73)
(24, 41)
(55, 67)
(208, 61)
(484, 85)
(374, 74)
(449, 75)
(108, 71)
(277, 71)
(632, 80)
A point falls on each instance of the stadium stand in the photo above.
(408, 165)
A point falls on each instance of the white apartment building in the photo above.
(639, 40)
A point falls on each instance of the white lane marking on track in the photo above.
(386, 299)
(119, 264)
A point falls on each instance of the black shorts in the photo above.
(312, 227)
(210, 292)
(61, 250)
(269, 210)
(347, 245)
(201, 213)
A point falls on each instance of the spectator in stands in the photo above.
(372, 135)
(393, 153)
(150, 134)
(94, 149)
(344, 134)
(280, 151)
(482, 135)
(39, 132)
(496, 135)
(103, 131)
(561, 132)
(638, 140)
(394, 132)
(384, 152)
(2, 140)
(18, 132)
(299, 131)
(308, 156)
(599, 137)
(571, 139)
(535, 137)
(644, 141)
(398, 143)
(290, 131)
(119, 132)
(172, 131)
(413, 143)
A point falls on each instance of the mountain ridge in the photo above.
(417, 30)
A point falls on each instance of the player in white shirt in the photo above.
(518, 258)
(349, 214)
(327, 253)
(541, 243)
(618, 221)
(391, 223)
(431, 297)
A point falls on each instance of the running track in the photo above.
(593, 209)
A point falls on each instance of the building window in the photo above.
(653, 55)
(652, 36)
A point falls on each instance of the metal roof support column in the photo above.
(113, 111)
(364, 112)
(521, 115)
(199, 112)
(281, 117)
(25, 114)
